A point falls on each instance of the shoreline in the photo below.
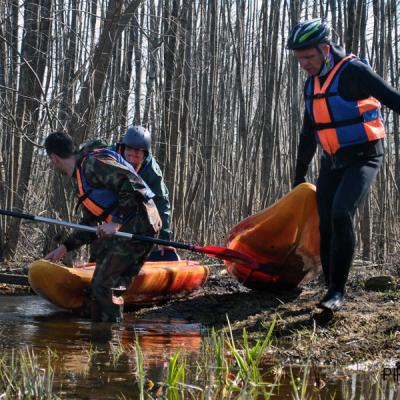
(366, 329)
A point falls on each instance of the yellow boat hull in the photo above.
(156, 281)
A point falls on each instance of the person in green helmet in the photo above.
(343, 96)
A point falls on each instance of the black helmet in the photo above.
(137, 137)
(308, 34)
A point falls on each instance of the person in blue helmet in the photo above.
(343, 96)
(135, 147)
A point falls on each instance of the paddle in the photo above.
(214, 251)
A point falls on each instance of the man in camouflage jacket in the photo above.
(99, 174)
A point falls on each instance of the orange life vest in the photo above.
(101, 202)
(338, 122)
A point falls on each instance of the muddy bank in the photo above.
(17, 267)
(367, 328)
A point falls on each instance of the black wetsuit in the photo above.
(346, 177)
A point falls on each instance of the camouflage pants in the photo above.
(118, 261)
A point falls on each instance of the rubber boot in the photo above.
(85, 310)
(95, 311)
(111, 312)
(332, 301)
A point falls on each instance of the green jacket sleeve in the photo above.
(152, 175)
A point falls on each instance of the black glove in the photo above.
(297, 181)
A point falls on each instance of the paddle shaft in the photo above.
(93, 229)
(222, 253)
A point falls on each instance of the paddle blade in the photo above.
(227, 254)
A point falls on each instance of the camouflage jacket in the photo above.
(134, 211)
(151, 173)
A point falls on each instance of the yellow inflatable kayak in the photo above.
(156, 281)
(283, 239)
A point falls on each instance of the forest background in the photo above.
(213, 82)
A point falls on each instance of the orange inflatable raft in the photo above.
(283, 239)
(156, 281)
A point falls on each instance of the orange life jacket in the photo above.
(100, 201)
(338, 122)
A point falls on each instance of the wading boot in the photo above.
(332, 301)
(85, 310)
(95, 311)
(112, 312)
(112, 306)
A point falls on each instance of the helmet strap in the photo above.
(328, 63)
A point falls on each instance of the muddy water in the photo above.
(88, 367)
(87, 364)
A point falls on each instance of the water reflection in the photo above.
(30, 320)
(161, 339)
(86, 353)
(95, 361)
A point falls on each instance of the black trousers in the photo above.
(340, 191)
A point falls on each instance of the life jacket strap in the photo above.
(339, 124)
(104, 216)
(321, 95)
(81, 199)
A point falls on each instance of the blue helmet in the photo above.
(307, 34)
(138, 137)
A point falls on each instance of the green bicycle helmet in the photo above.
(307, 34)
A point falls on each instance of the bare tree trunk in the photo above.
(208, 107)
(124, 81)
(351, 22)
(34, 50)
(153, 46)
(175, 133)
(363, 28)
(170, 15)
(137, 45)
(67, 72)
(269, 79)
(395, 82)
(83, 117)
(184, 123)
(85, 111)
(224, 102)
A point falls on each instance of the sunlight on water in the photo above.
(97, 360)
(86, 351)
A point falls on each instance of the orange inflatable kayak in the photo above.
(283, 239)
(156, 281)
